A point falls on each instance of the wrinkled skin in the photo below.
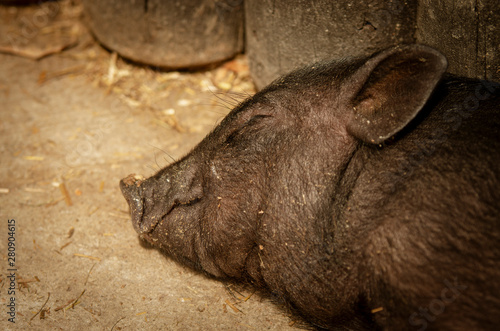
(364, 192)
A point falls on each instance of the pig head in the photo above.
(359, 191)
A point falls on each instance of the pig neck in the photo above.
(312, 227)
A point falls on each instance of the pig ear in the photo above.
(389, 90)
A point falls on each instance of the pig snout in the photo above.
(132, 191)
(153, 200)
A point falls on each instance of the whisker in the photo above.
(152, 168)
(158, 148)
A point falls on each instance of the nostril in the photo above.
(131, 190)
(132, 179)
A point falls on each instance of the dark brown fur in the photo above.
(365, 192)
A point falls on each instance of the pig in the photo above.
(364, 192)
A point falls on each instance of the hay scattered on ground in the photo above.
(60, 29)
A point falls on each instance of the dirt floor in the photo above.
(72, 124)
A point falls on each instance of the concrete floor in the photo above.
(79, 262)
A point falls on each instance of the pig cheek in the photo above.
(176, 232)
(228, 232)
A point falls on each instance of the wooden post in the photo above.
(282, 34)
(466, 31)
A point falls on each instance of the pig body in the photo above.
(364, 192)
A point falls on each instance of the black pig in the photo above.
(364, 192)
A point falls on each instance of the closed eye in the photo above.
(251, 122)
(255, 119)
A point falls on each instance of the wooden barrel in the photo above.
(171, 34)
